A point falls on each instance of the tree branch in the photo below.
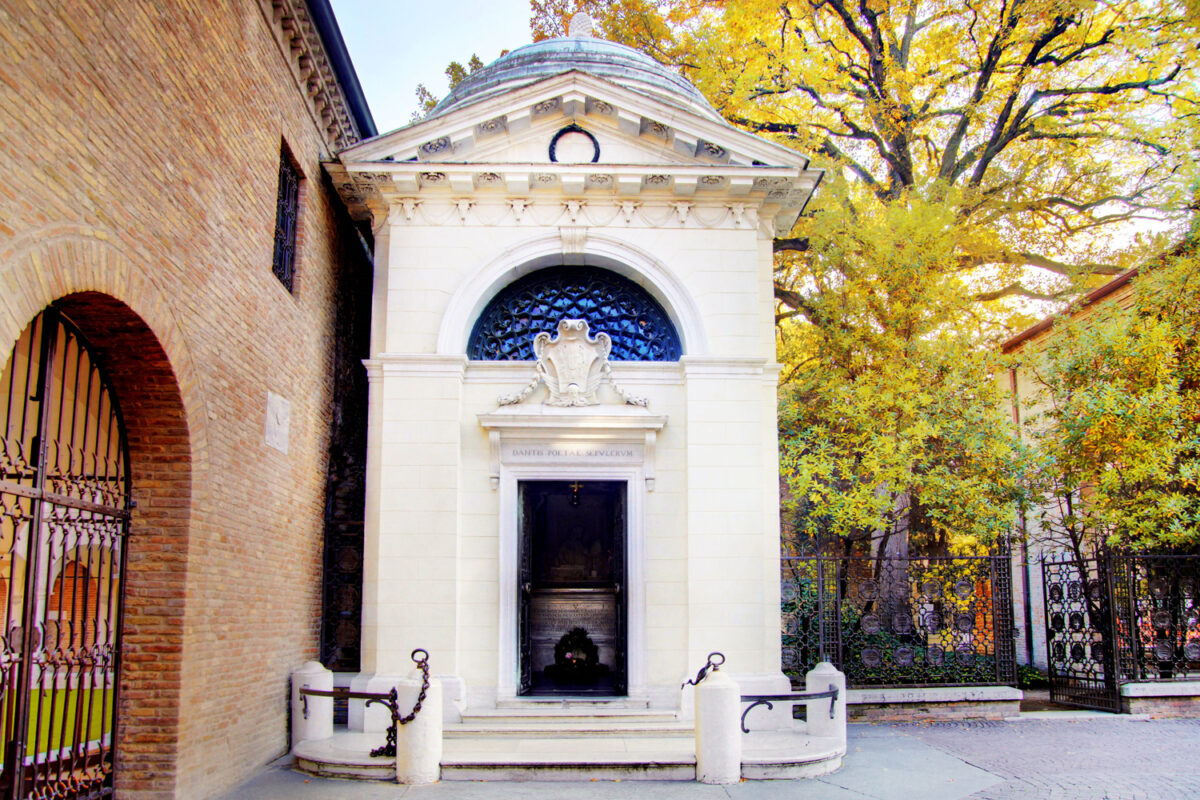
(794, 300)
(1041, 262)
(794, 245)
(1017, 290)
(948, 170)
(1114, 88)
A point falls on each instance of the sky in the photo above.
(396, 44)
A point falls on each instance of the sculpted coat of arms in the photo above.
(572, 365)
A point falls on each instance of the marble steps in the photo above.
(569, 714)
(565, 744)
(543, 721)
(542, 729)
(500, 750)
(765, 756)
(569, 759)
(576, 703)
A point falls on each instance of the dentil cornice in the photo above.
(302, 49)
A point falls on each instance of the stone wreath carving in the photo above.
(572, 365)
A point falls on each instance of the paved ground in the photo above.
(1098, 758)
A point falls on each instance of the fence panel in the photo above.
(1080, 622)
(900, 622)
(1164, 606)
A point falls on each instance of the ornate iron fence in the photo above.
(1163, 597)
(1080, 621)
(1117, 618)
(900, 621)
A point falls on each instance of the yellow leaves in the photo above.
(925, 427)
(1122, 422)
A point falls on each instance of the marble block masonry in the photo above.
(580, 157)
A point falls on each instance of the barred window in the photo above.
(287, 210)
(639, 327)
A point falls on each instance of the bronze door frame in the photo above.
(607, 588)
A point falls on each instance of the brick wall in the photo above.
(140, 154)
(1163, 707)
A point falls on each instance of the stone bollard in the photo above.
(718, 734)
(318, 722)
(819, 722)
(419, 743)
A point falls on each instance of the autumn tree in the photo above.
(1041, 124)
(890, 414)
(455, 74)
(980, 155)
(1115, 420)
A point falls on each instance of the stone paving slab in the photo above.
(1102, 758)
(1108, 758)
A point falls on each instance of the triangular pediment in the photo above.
(623, 143)
(519, 126)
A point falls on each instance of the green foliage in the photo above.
(1116, 422)
(455, 74)
(916, 447)
(890, 417)
(1039, 125)
(978, 154)
(1030, 677)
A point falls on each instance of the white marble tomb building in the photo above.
(572, 384)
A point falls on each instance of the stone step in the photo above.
(486, 756)
(772, 755)
(543, 727)
(345, 755)
(567, 701)
(567, 716)
(566, 759)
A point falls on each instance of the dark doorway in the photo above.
(571, 585)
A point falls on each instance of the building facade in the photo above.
(156, 157)
(1028, 400)
(544, 536)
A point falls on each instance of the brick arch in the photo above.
(73, 591)
(126, 317)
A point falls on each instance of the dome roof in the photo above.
(615, 62)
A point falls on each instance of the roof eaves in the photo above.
(323, 18)
(1088, 299)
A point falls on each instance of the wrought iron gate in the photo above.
(64, 521)
(1082, 631)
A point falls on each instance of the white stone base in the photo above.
(1162, 689)
(376, 718)
(934, 694)
(663, 751)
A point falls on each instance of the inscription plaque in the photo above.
(553, 613)
(581, 452)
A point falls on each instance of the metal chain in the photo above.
(393, 704)
(423, 665)
(712, 666)
(389, 746)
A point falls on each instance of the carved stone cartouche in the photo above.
(572, 365)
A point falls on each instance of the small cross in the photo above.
(576, 486)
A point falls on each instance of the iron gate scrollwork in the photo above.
(1114, 618)
(64, 517)
(900, 621)
(1081, 632)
